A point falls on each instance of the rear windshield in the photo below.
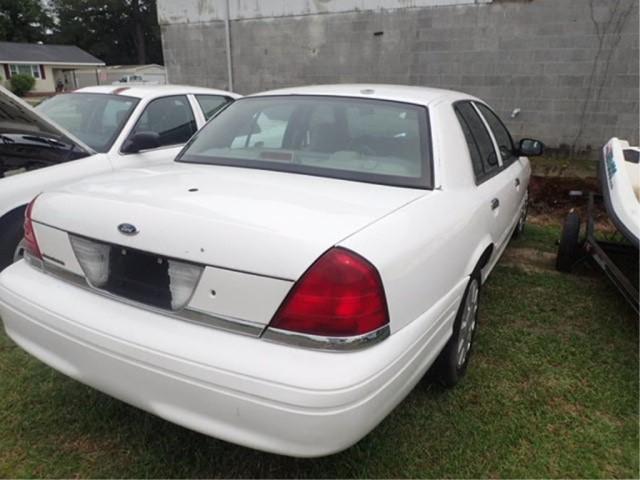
(94, 118)
(351, 138)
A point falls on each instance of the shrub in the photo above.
(21, 84)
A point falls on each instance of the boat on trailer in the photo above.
(619, 172)
(620, 183)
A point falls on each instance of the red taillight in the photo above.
(340, 295)
(30, 242)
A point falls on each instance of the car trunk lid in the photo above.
(268, 223)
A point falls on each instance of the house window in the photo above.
(25, 69)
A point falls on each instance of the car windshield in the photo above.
(96, 119)
(358, 139)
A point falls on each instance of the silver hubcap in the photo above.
(468, 324)
(19, 253)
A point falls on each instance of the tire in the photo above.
(522, 220)
(10, 237)
(451, 364)
(569, 247)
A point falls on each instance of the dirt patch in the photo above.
(529, 259)
(551, 199)
(549, 194)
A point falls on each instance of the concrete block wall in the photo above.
(570, 66)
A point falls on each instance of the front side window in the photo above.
(481, 149)
(352, 138)
(94, 118)
(501, 134)
(210, 104)
(22, 69)
(170, 117)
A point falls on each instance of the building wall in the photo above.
(47, 84)
(569, 66)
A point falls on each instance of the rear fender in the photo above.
(480, 258)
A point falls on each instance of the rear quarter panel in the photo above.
(426, 250)
(18, 190)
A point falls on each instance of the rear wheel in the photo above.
(569, 247)
(452, 362)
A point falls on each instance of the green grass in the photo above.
(552, 391)
(538, 237)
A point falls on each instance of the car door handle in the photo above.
(495, 203)
(517, 182)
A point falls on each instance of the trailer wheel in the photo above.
(569, 248)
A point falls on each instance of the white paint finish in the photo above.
(280, 399)
(193, 11)
(56, 246)
(623, 182)
(149, 92)
(400, 93)
(425, 244)
(18, 190)
(295, 217)
(239, 295)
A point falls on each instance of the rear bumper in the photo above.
(244, 390)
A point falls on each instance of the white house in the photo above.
(50, 65)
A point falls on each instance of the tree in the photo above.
(116, 31)
(24, 21)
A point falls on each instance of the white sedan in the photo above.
(288, 280)
(90, 131)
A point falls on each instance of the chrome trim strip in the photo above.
(228, 324)
(336, 344)
(53, 259)
(33, 261)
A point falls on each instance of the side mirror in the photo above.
(529, 147)
(141, 141)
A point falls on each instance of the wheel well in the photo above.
(484, 259)
(11, 216)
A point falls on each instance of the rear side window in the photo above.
(501, 134)
(476, 156)
(210, 104)
(171, 118)
(483, 154)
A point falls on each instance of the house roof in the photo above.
(13, 52)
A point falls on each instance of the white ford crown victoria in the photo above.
(287, 281)
(90, 131)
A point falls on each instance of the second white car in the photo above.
(90, 131)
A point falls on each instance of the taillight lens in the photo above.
(340, 295)
(30, 243)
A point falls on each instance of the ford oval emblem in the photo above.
(128, 229)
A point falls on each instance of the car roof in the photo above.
(153, 91)
(399, 93)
